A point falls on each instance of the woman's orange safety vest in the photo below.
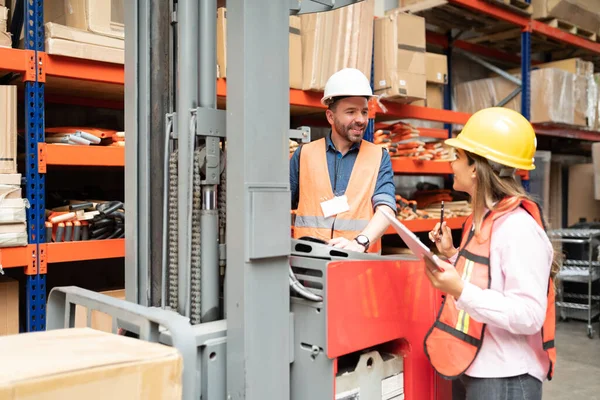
(315, 187)
(455, 338)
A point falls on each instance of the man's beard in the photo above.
(347, 131)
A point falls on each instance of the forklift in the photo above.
(210, 266)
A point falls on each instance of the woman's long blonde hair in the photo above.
(495, 182)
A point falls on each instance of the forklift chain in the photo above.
(196, 260)
(173, 234)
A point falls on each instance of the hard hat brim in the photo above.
(459, 143)
(326, 100)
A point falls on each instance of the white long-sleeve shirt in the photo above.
(514, 308)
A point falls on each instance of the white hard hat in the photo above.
(346, 82)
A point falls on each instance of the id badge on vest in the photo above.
(337, 205)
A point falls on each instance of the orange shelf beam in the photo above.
(16, 60)
(73, 155)
(404, 165)
(425, 225)
(401, 111)
(88, 70)
(85, 250)
(14, 257)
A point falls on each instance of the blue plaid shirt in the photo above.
(340, 167)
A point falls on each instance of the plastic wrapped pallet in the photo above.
(13, 235)
(334, 40)
(12, 211)
(560, 97)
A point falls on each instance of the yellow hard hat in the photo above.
(499, 134)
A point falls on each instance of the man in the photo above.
(342, 184)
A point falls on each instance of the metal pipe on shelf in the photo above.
(187, 99)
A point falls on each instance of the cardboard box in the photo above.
(400, 57)
(596, 79)
(3, 18)
(337, 39)
(581, 201)
(436, 68)
(99, 321)
(555, 203)
(5, 39)
(103, 17)
(582, 13)
(560, 97)
(10, 179)
(295, 51)
(8, 129)
(87, 364)
(9, 306)
(435, 97)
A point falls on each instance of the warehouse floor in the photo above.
(577, 374)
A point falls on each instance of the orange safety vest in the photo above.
(455, 338)
(315, 187)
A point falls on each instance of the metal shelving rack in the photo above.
(40, 69)
(581, 271)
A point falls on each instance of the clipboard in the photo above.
(412, 241)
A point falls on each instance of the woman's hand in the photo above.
(443, 241)
(448, 280)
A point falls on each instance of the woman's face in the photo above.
(464, 174)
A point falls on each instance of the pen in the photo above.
(441, 218)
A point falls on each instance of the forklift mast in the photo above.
(210, 266)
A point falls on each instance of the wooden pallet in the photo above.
(446, 16)
(569, 27)
(517, 6)
(509, 40)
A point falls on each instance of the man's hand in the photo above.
(448, 280)
(343, 243)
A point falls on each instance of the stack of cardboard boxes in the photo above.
(400, 57)
(404, 71)
(13, 226)
(319, 44)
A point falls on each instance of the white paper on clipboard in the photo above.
(412, 241)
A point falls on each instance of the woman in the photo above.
(495, 331)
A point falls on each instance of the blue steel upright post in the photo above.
(448, 86)
(526, 80)
(35, 301)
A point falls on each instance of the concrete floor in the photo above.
(577, 375)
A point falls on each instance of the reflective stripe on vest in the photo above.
(306, 221)
(315, 187)
(454, 340)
